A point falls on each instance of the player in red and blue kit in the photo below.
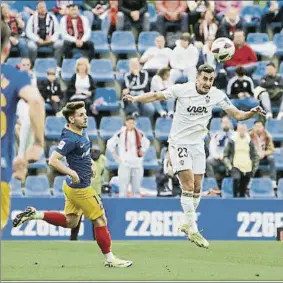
(15, 85)
(80, 197)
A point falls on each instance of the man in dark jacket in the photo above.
(241, 160)
(133, 13)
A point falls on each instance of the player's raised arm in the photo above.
(146, 97)
(244, 115)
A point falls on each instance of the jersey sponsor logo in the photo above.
(61, 144)
(207, 99)
(197, 110)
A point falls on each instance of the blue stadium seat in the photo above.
(40, 164)
(58, 186)
(251, 15)
(149, 183)
(109, 126)
(92, 128)
(261, 188)
(249, 123)
(123, 42)
(144, 124)
(42, 65)
(152, 13)
(114, 182)
(37, 186)
(162, 128)
(68, 69)
(208, 184)
(51, 149)
(280, 188)
(257, 38)
(16, 189)
(260, 70)
(278, 156)
(227, 188)
(146, 40)
(100, 41)
(122, 67)
(278, 41)
(150, 159)
(111, 163)
(110, 97)
(275, 128)
(101, 70)
(54, 126)
(215, 125)
(281, 69)
(14, 61)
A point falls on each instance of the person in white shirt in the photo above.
(195, 102)
(184, 59)
(76, 33)
(43, 30)
(156, 57)
(132, 144)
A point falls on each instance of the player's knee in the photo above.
(197, 189)
(72, 222)
(100, 221)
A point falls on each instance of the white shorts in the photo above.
(188, 157)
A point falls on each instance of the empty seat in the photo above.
(122, 67)
(58, 185)
(109, 126)
(101, 70)
(257, 38)
(278, 156)
(16, 189)
(249, 123)
(68, 69)
(37, 186)
(51, 149)
(42, 65)
(227, 188)
(146, 40)
(278, 41)
(215, 125)
(14, 61)
(40, 164)
(110, 161)
(152, 13)
(100, 41)
(208, 184)
(110, 99)
(162, 128)
(280, 188)
(144, 124)
(92, 128)
(149, 183)
(281, 69)
(54, 126)
(123, 42)
(251, 15)
(261, 188)
(150, 159)
(275, 128)
(260, 70)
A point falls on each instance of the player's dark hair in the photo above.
(5, 33)
(71, 107)
(205, 68)
(161, 72)
(130, 117)
(271, 64)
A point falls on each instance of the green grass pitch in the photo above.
(153, 260)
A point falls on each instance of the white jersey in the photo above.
(193, 112)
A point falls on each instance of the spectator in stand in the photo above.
(243, 52)
(133, 13)
(274, 14)
(161, 82)
(132, 144)
(81, 86)
(137, 83)
(218, 142)
(240, 89)
(221, 7)
(230, 23)
(97, 12)
(272, 91)
(197, 8)
(76, 33)
(62, 8)
(265, 148)
(26, 65)
(184, 59)
(171, 11)
(17, 26)
(50, 89)
(241, 160)
(156, 57)
(43, 30)
(206, 27)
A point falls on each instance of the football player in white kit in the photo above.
(195, 102)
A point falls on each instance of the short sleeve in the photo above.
(65, 146)
(23, 80)
(172, 92)
(225, 103)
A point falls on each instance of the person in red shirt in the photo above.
(243, 53)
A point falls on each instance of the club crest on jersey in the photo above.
(193, 110)
(207, 99)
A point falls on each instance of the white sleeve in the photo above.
(213, 147)
(156, 84)
(145, 143)
(56, 29)
(86, 24)
(113, 142)
(173, 91)
(224, 102)
(29, 30)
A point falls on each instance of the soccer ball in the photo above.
(223, 49)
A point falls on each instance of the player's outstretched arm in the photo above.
(242, 115)
(146, 97)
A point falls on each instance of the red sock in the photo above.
(103, 239)
(55, 218)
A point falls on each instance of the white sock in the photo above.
(109, 256)
(189, 210)
(196, 199)
(38, 215)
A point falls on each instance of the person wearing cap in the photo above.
(132, 145)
